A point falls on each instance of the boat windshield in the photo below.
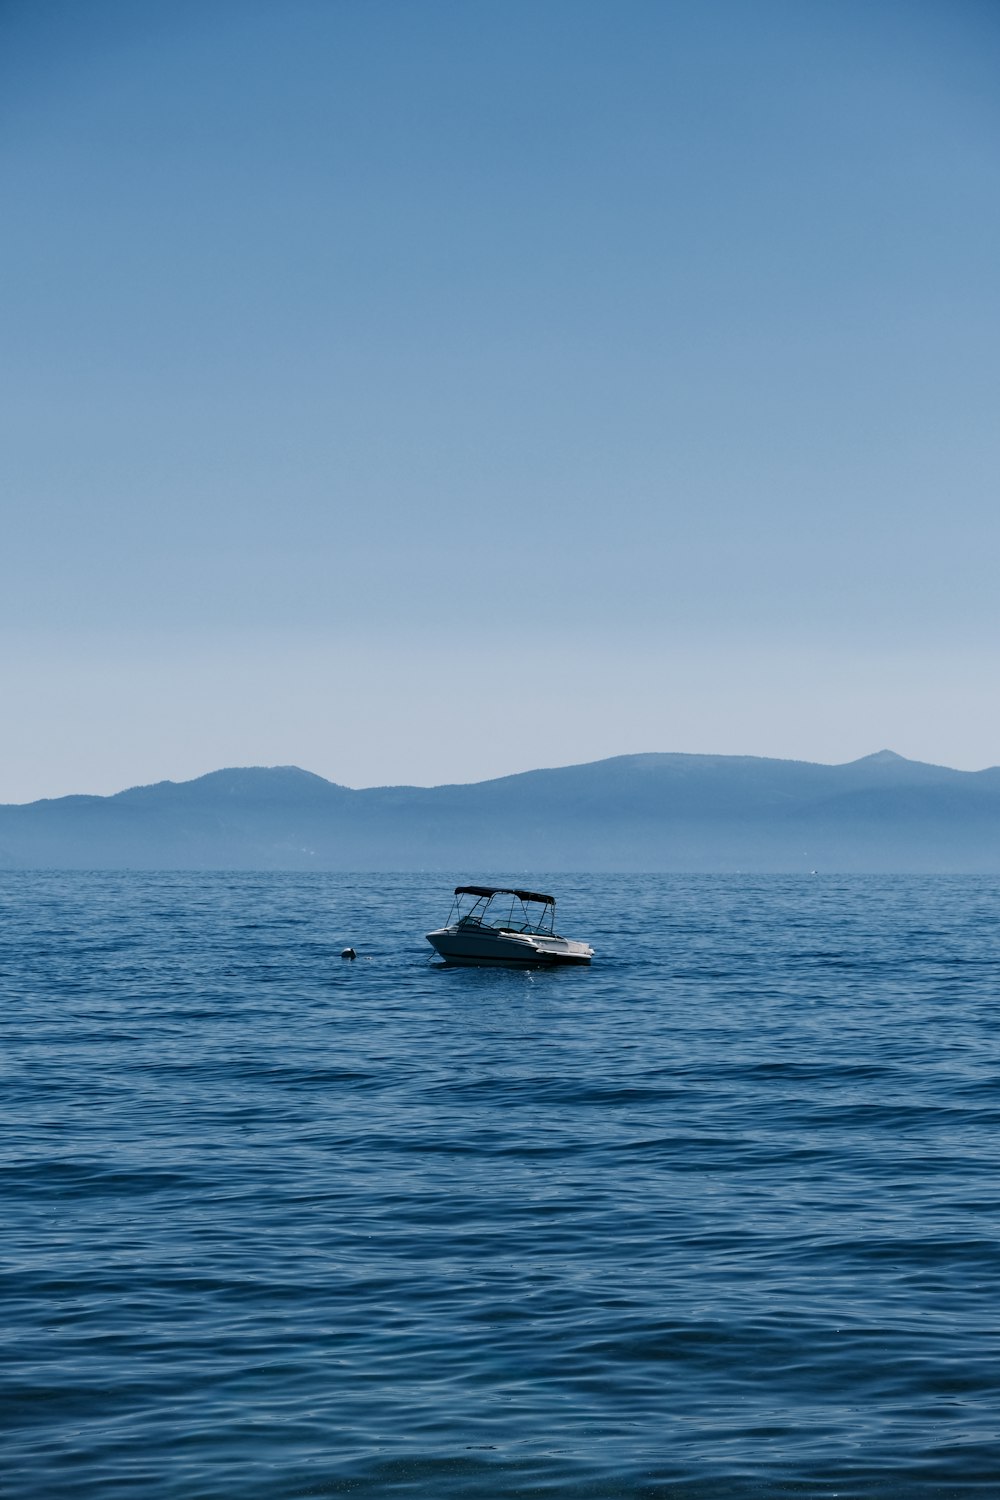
(504, 911)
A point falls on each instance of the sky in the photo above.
(428, 392)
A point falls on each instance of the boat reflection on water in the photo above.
(499, 925)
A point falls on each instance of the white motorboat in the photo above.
(496, 925)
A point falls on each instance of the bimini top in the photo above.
(503, 890)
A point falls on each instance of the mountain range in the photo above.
(655, 812)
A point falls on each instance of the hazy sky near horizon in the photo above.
(423, 392)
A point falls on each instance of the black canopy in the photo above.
(503, 890)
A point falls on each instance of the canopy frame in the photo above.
(490, 910)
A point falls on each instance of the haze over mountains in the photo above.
(659, 812)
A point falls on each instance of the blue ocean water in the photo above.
(716, 1217)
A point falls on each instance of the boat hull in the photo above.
(458, 945)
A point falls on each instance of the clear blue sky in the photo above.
(422, 392)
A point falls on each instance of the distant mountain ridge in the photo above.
(648, 812)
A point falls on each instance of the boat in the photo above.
(491, 924)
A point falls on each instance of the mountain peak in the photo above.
(253, 782)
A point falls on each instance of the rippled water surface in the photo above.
(716, 1217)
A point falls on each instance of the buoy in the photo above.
(348, 953)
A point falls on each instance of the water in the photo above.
(717, 1217)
